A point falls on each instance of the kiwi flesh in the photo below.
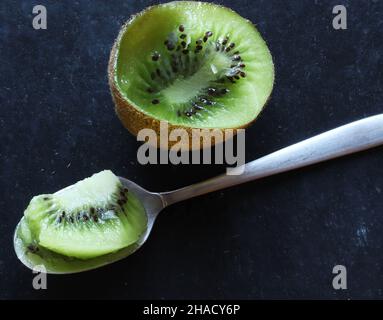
(91, 219)
(34, 255)
(192, 64)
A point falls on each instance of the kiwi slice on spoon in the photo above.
(92, 219)
(191, 64)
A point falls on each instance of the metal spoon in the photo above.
(353, 137)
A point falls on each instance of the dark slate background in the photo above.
(276, 238)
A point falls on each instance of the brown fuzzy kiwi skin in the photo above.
(135, 120)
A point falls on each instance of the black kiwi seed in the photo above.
(155, 101)
(242, 65)
(198, 42)
(85, 217)
(205, 101)
(204, 38)
(197, 107)
(188, 113)
(71, 219)
(155, 56)
(183, 36)
(126, 190)
(224, 91)
(46, 198)
(236, 58)
(150, 90)
(211, 91)
(179, 113)
(232, 45)
(95, 218)
(158, 72)
(230, 79)
(208, 34)
(224, 42)
(243, 74)
(227, 49)
(92, 210)
(32, 248)
(59, 219)
(198, 48)
(236, 77)
(170, 46)
(181, 28)
(63, 214)
(183, 44)
(186, 51)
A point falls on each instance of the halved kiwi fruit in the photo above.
(92, 218)
(192, 64)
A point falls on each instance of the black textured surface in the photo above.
(276, 238)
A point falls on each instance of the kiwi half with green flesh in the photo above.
(90, 219)
(192, 64)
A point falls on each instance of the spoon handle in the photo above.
(350, 138)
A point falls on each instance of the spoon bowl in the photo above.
(57, 264)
